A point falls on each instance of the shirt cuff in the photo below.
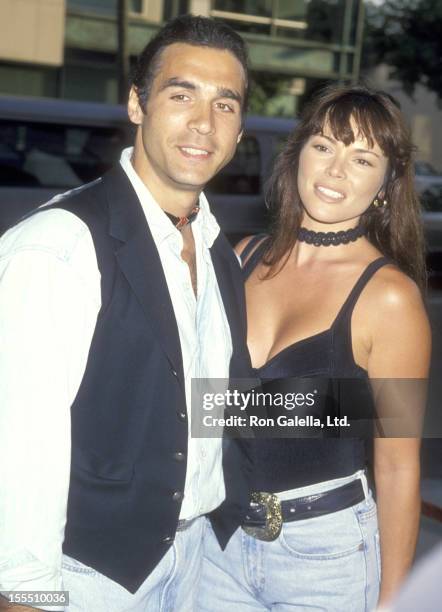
(25, 573)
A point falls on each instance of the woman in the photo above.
(335, 291)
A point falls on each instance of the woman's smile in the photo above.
(328, 194)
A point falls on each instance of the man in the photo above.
(112, 297)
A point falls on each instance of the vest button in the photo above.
(175, 373)
(178, 496)
(179, 456)
(182, 416)
(167, 540)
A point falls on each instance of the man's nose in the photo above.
(202, 119)
(336, 167)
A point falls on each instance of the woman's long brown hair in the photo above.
(396, 229)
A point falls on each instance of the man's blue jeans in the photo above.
(171, 587)
(329, 563)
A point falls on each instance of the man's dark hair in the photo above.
(192, 30)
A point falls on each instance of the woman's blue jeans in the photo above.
(329, 563)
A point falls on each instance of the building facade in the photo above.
(68, 48)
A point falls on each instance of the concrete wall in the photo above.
(200, 7)
(32, 31)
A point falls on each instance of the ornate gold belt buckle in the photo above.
(273, 525)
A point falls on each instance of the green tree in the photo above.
(406, 35)
(265, 88)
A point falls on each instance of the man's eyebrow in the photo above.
(225, 92)
(177, 82)
(222, 92)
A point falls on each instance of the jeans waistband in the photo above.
(326, 485)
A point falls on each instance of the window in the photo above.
(261, 8)
(136, 6)
(241, 176)
(48, 155)
(425, 169)
(262, 16)
(173, 8)
(96, 6)
(431, 198)
(314, 20)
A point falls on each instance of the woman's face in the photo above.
(337, 183)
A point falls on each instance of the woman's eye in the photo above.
(363, 162)
(320, 147)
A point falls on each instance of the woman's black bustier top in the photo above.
(282, 464)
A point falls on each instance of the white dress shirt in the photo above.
(49, 301)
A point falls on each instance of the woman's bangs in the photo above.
(355, 117)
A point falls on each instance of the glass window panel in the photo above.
(136, 6)
(325, 19)
(29, 80)
(431, 199)
(425, 169)
(291, 9)
(241, 176)
(252, 28)
(93, 82)
(47, 155)
(262, 8)
(101, 6)
(173, 8)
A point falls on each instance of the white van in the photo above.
(49, 146)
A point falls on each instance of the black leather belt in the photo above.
(266, 512)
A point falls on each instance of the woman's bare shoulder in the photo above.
(393, 290)
(399, 333)
(395, 310)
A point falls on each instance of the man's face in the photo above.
(193, 118)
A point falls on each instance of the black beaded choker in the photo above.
(180, 222)
(330, 238)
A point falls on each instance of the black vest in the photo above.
(129, 418)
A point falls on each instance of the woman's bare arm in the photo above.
(398, 366)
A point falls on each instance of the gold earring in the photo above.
(379, 203)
